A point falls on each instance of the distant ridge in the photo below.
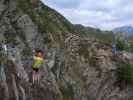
(124, 29)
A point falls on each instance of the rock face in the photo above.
(75, 68)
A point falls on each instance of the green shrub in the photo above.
(46, 40)
(121, 45)
(27, 51)
(126, 72)
(33, 15)
(67, 93)
(10, 37)
(93, 61)
(131, 48)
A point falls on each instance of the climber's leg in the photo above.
(33, 77)
(37, 76)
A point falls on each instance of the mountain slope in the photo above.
(125, 29)
(103, 36)
(51, 20)
(74, 68)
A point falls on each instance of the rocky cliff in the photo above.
(75, 68)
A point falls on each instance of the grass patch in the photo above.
(67, 93)
(126, 72)
(27, 51)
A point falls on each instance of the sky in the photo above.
(103, 14)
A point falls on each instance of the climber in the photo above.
(114, 49)
(4, 46)
(38, 60)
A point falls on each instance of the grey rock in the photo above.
(74, 68)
